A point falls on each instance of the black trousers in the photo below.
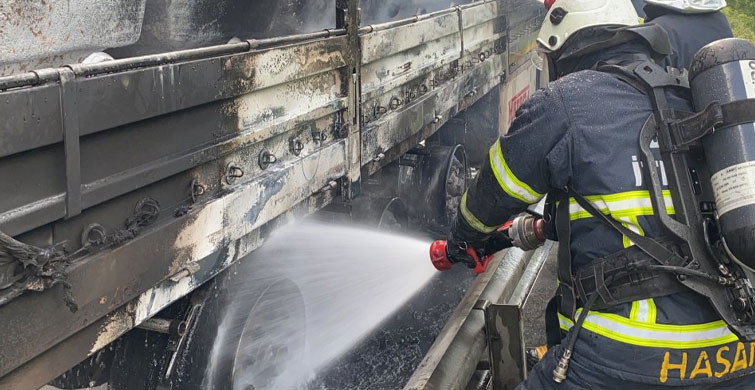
(580, 377)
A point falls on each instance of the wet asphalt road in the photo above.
(387, 358)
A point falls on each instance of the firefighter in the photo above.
(581, 133)
(691, 24)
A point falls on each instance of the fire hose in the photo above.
(525, 232)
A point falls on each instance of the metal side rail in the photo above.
(454, 356)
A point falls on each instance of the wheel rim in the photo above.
(270, 352)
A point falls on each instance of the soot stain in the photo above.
(272, 184)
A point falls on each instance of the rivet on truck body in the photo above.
(233, 172)
(319, 137)
(266, 158)
(296, 146)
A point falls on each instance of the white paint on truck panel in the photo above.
(229, 218)
(140, 309)
(748, 73)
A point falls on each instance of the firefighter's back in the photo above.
(676, 339)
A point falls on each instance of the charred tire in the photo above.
(432, 186)
(249, 333)
(476, 128)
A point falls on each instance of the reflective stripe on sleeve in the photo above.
(506, 179)
(473, 221)
(627, 331)
(620, 205)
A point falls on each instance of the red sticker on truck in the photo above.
(516, 102)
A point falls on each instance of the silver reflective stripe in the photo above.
(472, 220)
(643, 310)
(623, 204)
(637, 333)
(508, 181)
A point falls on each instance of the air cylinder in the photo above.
(723, 72)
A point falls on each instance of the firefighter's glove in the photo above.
(497, 242)
(457, 251)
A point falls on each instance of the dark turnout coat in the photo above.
(582, 131)
(688, 32)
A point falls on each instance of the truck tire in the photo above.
(476, 128)
(249, 334)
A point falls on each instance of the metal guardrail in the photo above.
(453, 357)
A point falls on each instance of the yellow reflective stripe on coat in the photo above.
(620, 205)
(473, 221)
(644, 310)
(627, 331)
(506, 179)
(633, 224)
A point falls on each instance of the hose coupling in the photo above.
(559, 374)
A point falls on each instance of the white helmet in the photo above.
(566, 17)
(690, 6)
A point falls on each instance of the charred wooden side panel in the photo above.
(106, 281)
(151, 133)
(142, 126)
(417, 76)
(63, 355)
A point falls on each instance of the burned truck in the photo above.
(149, 146)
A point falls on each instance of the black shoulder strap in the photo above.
(568, 300)
(567, 292)
(654, 76)
(549, 215)
(654, 80)
(714, 116)
(646, 75)
(623, 74)
(650, 79)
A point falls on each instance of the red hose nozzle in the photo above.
(439, 256)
